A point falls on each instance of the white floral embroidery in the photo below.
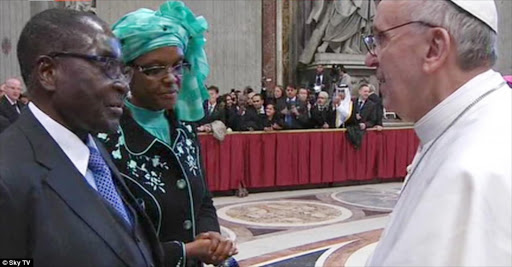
(152, 178)
(156, 161)
(132, 164)
(180, 149)
(185, 150)
(116, 154)
(154, 181)
(192, 166)
(103, 136)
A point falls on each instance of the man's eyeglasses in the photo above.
(373, 41)
(112, 67)
(160, 71)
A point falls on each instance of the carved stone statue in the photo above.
(89, 6)
(340, 27)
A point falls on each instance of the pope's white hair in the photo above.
(476, 41)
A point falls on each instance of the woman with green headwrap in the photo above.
(154, 149)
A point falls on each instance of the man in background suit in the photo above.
(10, 106)
(213, 110)
(364, 110)
(321, 81)
(62, 199)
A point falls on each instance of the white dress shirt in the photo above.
(73, 147)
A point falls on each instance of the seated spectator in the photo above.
(312, 97)
(296, 112)
(364, 109)
(10, 105)
(248, 90)
(322, 114)
(303, 95)
(273, 120)
(249, 99)
(278, 99)
(230, 109)
(234, 97)
(235, 119)
(254, 117)
(213, 110)
(344, 78)
(342, 106)
(379, 107)
(257, 103)
(238, 93)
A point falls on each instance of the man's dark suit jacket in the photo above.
(4, 123)
(380, 109)
(252, 120)
(52, 215)
(218, 114)
(300, 121)
(319, 117)
(9, 111)
(326, 82)
(368, 113)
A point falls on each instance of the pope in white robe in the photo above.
(456, 205)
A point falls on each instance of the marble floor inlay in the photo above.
(369, 198)
(337, 226)
(284, 213)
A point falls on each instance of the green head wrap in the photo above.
(173, 24)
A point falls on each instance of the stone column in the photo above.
(39, 6)
(279, 42)
(268, 21)
(504, 63)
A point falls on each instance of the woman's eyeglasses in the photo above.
(160, 71)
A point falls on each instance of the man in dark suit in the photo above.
(10, 106)
(321, 81)
(62, 199)
(364, 110)
(254, 117)
(296, 112)
(213, 110)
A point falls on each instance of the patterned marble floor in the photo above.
(337, 226)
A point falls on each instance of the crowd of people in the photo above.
(293, 108)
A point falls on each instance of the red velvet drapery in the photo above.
(305, 157)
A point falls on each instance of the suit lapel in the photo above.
(70, 185)
(11, 112)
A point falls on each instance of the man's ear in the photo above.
(46, 72)
(439, 49)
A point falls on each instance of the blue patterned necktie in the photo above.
(104, 183)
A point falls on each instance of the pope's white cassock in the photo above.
(456, 206)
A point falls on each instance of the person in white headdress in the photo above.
(433, 60)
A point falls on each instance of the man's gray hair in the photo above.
(324, 94)
(476, 42)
